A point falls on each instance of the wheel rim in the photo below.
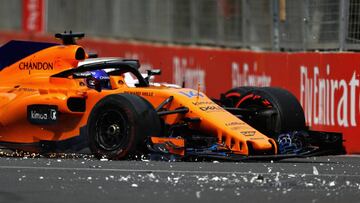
(111, 130)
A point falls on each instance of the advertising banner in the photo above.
(33, 16)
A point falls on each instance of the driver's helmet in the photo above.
(96, 76)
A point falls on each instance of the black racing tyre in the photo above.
(119, 124)
(286, 113)
(232, 96)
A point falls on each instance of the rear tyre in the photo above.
(278, 111)
(118, 126)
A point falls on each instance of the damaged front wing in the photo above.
(296, 144)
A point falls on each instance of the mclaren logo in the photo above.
(248, 133)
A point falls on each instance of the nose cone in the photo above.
(249, 142)
(264, 146)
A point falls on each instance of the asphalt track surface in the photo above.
(86, 179)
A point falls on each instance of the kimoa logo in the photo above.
(38, 116)
(43, 116)
(329, 101)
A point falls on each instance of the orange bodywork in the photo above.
(29, 82)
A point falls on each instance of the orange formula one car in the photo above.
(57, 98)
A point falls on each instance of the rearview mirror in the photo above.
(154, 72)
(151, 73)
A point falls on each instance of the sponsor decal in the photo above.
(104, 77)
(234, 123)
(25, 89)
(42, 114)
(248, 133)
(257, 138)
(326, 100)
(36, 66)
(83, 74)
(211, 108)
(192, 94)
(208, 106)
(203, 103)
(236, 128)
(148, 94)
(7, 96)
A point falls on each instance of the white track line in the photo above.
(168, 171)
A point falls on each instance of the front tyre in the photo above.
(118, 126)
(277, 110)
(232, 97)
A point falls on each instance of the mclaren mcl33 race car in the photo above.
(58, 98)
